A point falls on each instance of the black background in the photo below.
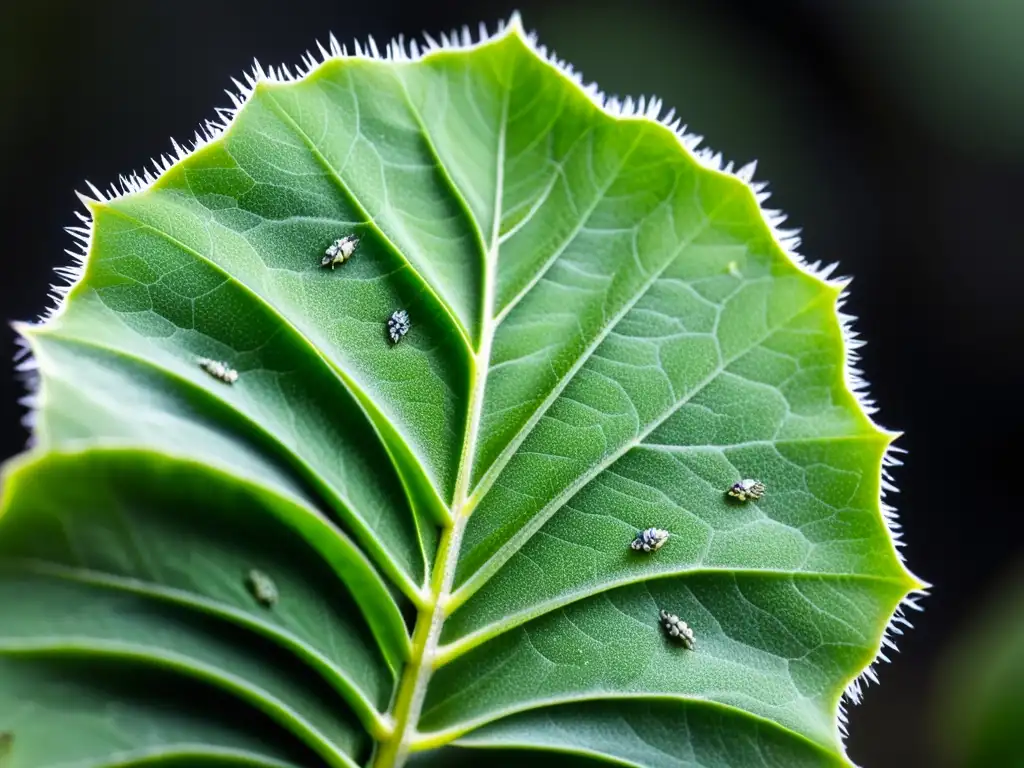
(893, 133)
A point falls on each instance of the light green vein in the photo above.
(288, 121)
(503, 458)
(368, 408)
(361, 705)
(368, 590)
(449, 652)
(436, 739)
(485, 571)
(340, 503)
(274, 708)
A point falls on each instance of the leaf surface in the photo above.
(607, 332)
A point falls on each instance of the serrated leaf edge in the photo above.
(644, 108)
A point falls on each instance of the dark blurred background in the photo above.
(892, 132)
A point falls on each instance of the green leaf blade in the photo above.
(144, 531)
(579, 551)
(606, 333)
(767, 643)
(642, 732)
(91, 623)
(615, 402)
(102, 705)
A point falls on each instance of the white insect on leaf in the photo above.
(677, 629)
(219, 370)
(339, 251)
(262, 588)
(398, 325)
(650, 539)
(747, 490)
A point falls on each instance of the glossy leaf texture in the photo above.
(342, 549)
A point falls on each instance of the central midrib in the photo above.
(412, 689)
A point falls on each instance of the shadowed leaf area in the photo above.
(374, 503)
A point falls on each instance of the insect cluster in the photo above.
(747, 490)
(339, 251)
(262, 588)
(677, 629)
(650, 539)
(647, 540)
(219, 370)
(398, 325)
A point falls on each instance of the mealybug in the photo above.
(398, 325)
(650, 539)
(677, 630)
(745, 490)
(339, 251)
(261, 587)
(219, 370)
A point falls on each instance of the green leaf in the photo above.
(607, 332)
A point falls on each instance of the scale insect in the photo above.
(746, 490)
(650, 539)
(218, 370)
(677, 629)
(262, 588)
(339, 251)
(398, 325)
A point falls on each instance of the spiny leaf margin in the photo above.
(643, 108)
